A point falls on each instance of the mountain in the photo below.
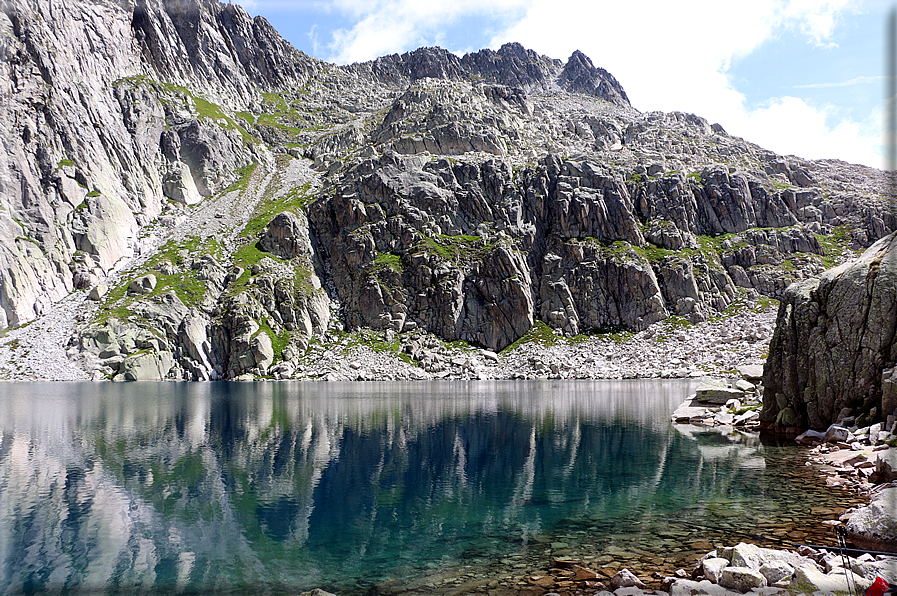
(231, 206)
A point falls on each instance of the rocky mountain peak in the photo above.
(514, 66)
(581, 76)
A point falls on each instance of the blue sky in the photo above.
(799, 77)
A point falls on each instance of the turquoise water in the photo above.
(283, 487)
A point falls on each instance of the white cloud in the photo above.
(313, 38)
(816, 19)
(848, 83)
(789, 125)
(390, 26)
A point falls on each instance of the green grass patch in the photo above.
(387, 260)
(278, 342)
(539, 333)
(653, 253)
(670, 326)
(246, 256)
(205, 109)
(244, 173)
(272, 121)
(294, 200)
(248, 117)
(376, 341)
(183, 284)
(211, 111)
(836, 245)
(458, 249)
(277, 100)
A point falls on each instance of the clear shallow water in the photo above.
(283, 487)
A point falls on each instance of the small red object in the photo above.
(878, 587)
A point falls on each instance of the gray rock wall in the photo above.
(834, 339)
(84, 162)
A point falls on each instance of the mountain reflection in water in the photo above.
(287, 486)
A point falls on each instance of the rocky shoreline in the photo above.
(725, 570)
(860, 460)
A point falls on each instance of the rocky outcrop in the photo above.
(834, 337)
(512, 66)
(408, 247)
(581, 76)
(874, 527)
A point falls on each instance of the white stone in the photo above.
(717, 392)
(836, 433)
(687, 587)
(808, 578)
(489, 355)
(631, 591)
(713, 567)
(775, 571)
(146, 367)
(742, 579)
(262, 350)
(809, 437)
(626, 579)
(143, 285)
(746, 417)
(744, 385)
(877, 520)
(733, 404)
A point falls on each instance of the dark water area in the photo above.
(206, 488)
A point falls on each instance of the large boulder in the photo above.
(834, 337)
(152, 366)
(142, 285)
(874, 527)
(287, 236)
(742, 579)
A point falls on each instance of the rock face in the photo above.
(261, 200)
(874, 526)
(834, 337)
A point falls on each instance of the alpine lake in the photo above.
(386, 488)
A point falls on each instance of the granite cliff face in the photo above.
(833, 353)
(228, 201)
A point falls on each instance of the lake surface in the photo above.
(279, 487)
